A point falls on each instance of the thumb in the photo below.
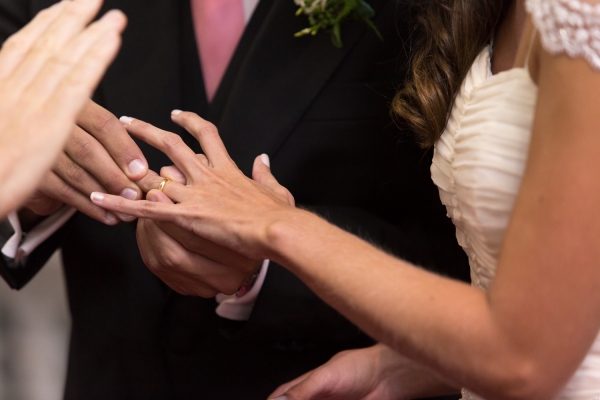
(261, 173)
(313, 387)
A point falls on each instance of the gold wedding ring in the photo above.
(162, 184)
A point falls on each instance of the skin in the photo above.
(374, 373)
(523, 339)
(187, 263)
(98, 155)
(48, 70)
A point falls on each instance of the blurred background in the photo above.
(34, 332)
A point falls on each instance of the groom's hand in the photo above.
(187, 263)
(99, 156)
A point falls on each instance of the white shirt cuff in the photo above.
(240, 308)
(18, 247)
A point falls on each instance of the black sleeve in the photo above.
(17, 276)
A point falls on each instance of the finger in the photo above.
(16, 47)
(174, 174)
(219, 254)
(72, 174)
(261, 173)
(169, 143)
(148, 246)
(193, 272)
(72, 19)
(286, 386)
(159, 197)
(92, 156)
(208, 136)
(151, 244)
(139, 208)
(174, 190)
(54, 187)
(58, 94)
(111, 133)
(77, 68)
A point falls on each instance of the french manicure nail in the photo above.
(136, 167)
(280, 398)
(126, 120)
(176, 112)
(126, 218)
(95, 196)
(129, 194)
(265, 160)
(110, 217)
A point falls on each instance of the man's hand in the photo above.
(187, 263)
(374, 373)
(99, 156)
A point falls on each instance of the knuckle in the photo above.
(230, 288)
(66, 192)
(103, 123)
(172, 140)
(207, 129)
(169, 260)
(75, 173)
(82, 148)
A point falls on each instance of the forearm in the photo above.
(445, 325)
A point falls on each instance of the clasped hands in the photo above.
(172, 229)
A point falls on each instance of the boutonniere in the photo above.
(328, 15)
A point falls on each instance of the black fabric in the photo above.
(322, 114)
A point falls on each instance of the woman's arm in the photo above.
(523, 339)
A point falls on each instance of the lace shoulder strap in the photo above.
(568, 26)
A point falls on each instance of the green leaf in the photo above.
(333, 15)
(336, 36)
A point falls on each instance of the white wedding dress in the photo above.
(479, 160)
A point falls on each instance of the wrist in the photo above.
(289, 233)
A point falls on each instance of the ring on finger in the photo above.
(162, 184)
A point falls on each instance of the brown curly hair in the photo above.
(449, 36)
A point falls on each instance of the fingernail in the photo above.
(126, 120)
(110, 217)
(265, 160)
(136, 167)
(129, 194)
(280, 398)
(176, 112)
(97, 197)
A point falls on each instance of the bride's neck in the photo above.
(508, 37)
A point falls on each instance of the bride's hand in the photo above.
(218, 202)
(373, 373)
(48, 71)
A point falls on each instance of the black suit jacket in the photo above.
(322, 114)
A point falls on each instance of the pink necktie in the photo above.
(219, 25)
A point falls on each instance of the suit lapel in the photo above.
(277, 81)
(145, 80)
